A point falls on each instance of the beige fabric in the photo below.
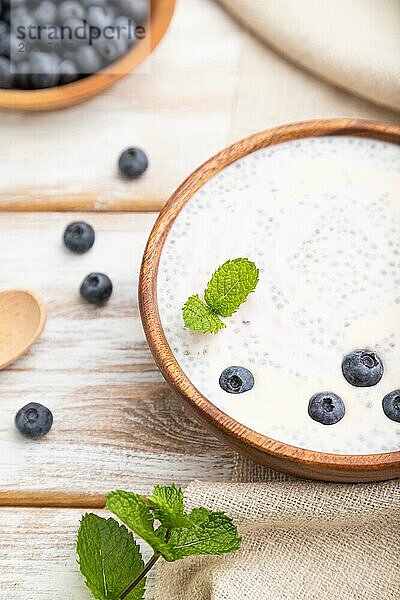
(354, 44)
(301, 541)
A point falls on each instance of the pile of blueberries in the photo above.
(46, 43)
(35, 420)
(360, 368)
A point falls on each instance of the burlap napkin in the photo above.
(301, 541)
(354, 44)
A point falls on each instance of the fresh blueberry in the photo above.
(34, 420)
(125, 28)
(70, 9)
(88, 60)
(362, 368)
(111, 50)
(6, 77)
(5, 44)
(74, 33)
(236, 380)
(96, 288)
(4, 27)
(45, 70)
(21, 20)
(68, 71)
(100, 16)
(133, 163)
(45, 12)
(391, 405)
(79, 237)
(87, 3)
(326, 408)
(139, 10)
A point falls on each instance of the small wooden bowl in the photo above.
(84, 89)
(269, 452)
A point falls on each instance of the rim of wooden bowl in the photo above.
(285, 457)
(79, 91)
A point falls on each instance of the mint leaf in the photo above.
(109, 558)
(199, 317)
(211, 533)
(168, 507)
(134, 512)
(230, 285)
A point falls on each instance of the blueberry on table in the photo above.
(236, 380)
(96, 288)
(326, 408)
(34, 420)
(362, 368)
(391, 405)
(79, 237)
(133, 163)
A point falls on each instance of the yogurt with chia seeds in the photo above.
(320, 217)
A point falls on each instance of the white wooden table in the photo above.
(116, 424)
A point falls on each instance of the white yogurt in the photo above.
(321, 219)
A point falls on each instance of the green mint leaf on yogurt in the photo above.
(109, 558)
(230, 286)
(200, 317)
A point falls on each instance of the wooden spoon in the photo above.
(22, 318)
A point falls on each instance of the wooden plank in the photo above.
(180, 99)
(116, 423)
(37, 555)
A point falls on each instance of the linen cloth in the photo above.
(302, 540)
(354, 44)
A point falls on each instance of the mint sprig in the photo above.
(109, 557)
(227, 289)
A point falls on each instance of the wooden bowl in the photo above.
(269, 452)
(84, 89)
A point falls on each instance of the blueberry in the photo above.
(125, 28)
(45, 12)
(68, 71)
(5, 44)
(100, 16)
(326, 408)
(6, 77)
(70, 9)
(34, 420)
(96, 288)
(362, 368)
(79, 237)
(111, 50)
(88, 60)
(139, 10)
(74, 32)
(4, 27)
(45, 70)
(236, 380)
(391, 405)
(133, 163)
